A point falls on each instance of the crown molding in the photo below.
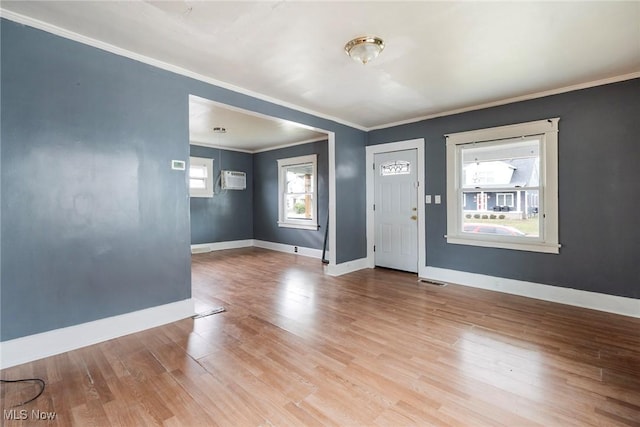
(527, 97)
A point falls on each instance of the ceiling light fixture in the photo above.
(365, 48)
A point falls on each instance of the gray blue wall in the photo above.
(228, 215)
(599, 193)
(94, 222)
(265, 200)
(351, 199)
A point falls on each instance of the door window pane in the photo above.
(396, 167)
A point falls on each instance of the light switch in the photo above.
(438, 199)
(427, 199)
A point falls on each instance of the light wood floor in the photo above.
(375, 347)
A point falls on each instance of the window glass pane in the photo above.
(505, 199)
(299, 207)
(200, 177)
(299, 178)
(507, 164)
(489, 171)
(397, 167)
(297, 188)
(197, 171)
(506, 214)
(197, 183)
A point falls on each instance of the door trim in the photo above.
(371, 150)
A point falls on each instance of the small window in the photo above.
(200, 177)
(297, 188)
(504, 199)
(502, 187)
(396, 167)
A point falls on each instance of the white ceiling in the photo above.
(244, 131)
(439, 56)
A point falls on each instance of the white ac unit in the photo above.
(234, 180)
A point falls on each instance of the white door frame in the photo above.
(371, 150)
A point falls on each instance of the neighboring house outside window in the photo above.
(513, 173)
(297, 192)
(200, 177)
(502, 188)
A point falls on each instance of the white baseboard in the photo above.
(332, 270)
(280, 247)
(218, 246)
(33, 347)
(575, 297)
(346, 267)
(290, 249)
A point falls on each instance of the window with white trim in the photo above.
(502, 187)
(200, 177)
(297, 192)
(504, 199)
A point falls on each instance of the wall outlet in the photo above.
(295, 249)
(427, 198)
(438, 199)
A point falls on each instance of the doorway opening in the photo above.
(248, 136)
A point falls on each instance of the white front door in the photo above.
(396, 210)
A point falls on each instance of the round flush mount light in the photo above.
(364, 49)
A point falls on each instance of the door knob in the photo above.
(414, 217)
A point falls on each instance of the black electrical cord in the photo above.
(24, 380)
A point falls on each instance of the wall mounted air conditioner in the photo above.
(234, 180)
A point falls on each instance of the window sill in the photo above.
(201, 195)
(299, 226)
(531, 246)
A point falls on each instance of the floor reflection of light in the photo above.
(502, 365)
(297, 298)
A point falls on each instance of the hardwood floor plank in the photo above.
(613, 409)
(205, 390)
(303, 417)
(372, 348)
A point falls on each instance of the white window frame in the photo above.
(206, 163)
(548, 188)
(505, 196)
(283, 221)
